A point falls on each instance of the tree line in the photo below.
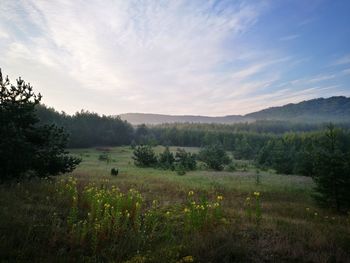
(88, 129)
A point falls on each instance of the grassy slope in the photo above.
(288, 231)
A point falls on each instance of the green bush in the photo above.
(144, 156)
(231, 167)
(104, 157)
(166, 159)
(185, 160)
(214, 156)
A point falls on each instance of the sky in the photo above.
(184, 57)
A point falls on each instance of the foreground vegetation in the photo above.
(148, 215)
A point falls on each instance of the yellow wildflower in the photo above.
(257, 194)
(219, 197)
(190, 193)
(188, 259)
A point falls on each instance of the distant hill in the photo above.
(139, 118)
(335, 109)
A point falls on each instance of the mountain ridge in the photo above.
(335, 109)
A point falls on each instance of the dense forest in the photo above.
(87, 129)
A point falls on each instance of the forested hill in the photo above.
(140, 118)
(333, 109)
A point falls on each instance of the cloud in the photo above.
(178, 57)
(320, 78)
(289, 37)
(343, 60)
(346, 71)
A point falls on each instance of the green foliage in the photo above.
(111, 223)
(258, 177)
(185, 160)
(180, 170)
(114, 171)
(243, 149)
(144, 156)
(202, 214)
(332, 170)
(88, 129)
(104, 157)
(166, 159)
(231, 167)
(214, 156)
(25, 147)
(253, 207)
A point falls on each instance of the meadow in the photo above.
(155, 215)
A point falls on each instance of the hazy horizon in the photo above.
(213, 58)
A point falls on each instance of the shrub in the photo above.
(231, 167)
(214, 156)
(114, 172)
(166, 159)
(104, 157)
(185, 160)
(144, 156)
(180, 170)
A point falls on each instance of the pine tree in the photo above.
(214, 156)
(166, 159)
(332, 174)
(144, 156)
(25, 147)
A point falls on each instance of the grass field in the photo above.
(286, 225)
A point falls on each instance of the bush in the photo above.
(214, 156)
(25, 147)
(231, 167)
(104, 157)
(180, 170)
(144, 156)
(185, 160)
(114, 172)
(166, 159)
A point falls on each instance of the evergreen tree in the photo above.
(25, 147)
(144, 156)
(332, 173)
(185, 160)
(214, 156)
(166, 159)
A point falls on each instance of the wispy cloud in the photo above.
(343, 60)
(346, 71)
(320, 78)
(179, 57)
(289, 37)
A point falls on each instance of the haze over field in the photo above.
(210, 58)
